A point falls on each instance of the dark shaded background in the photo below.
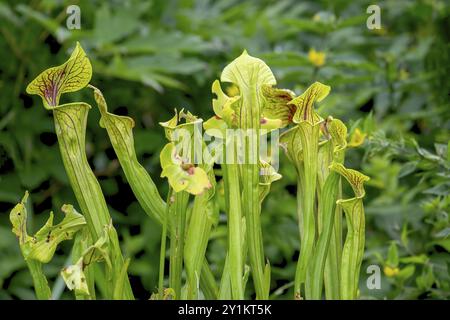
(152, 56)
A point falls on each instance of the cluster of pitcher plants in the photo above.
(230, 169)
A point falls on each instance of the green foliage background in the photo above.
(152, 56)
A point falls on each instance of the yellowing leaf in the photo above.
(75, 278)
(197, 181)
(74, 275)
(181, 175)
(18, 218)
(42, 245)
(71, 76)
(46, 240)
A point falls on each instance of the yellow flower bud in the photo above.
(390, 272)
(317, 58)
(357, 138)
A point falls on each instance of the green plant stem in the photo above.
(253, 232)
(327, 205)
(101, 282)
(162, 252)
(234, 232)
(121, 282)
(250, 119)
(225, 281)
(197, 237)
(208, 282)
(162, 257)
(119, 273)
(300, 193)
(40, 283)
(309, 136)
(331, 273)
(300, 214)
(332, 264)
(177, 242)
(353, 248)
